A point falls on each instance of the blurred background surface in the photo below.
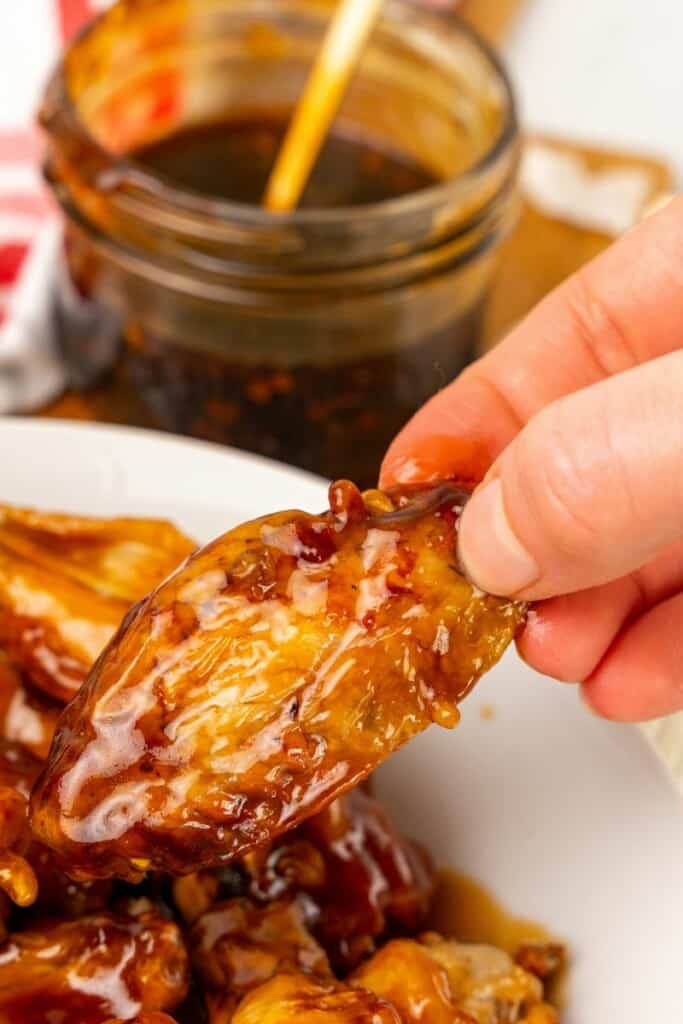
(605, 71)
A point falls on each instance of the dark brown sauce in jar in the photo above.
(233, 160)
(332, 420)
(311, 338)
(335, 418)
(336, 421)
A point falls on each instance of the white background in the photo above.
(604, 71)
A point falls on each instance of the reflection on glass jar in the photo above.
(311, 337)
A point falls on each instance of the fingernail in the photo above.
(490, 552)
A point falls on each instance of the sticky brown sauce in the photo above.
(464, 909)
(233, 160)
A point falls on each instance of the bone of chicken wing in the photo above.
(297, 999)
(67, 581)
(435, 979)
(271, 673)
(85, 972)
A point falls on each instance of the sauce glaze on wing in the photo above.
(86, 971)
(440, 981)
(27, 716)
(237, 946)
(361, 879)
(271, 673)
(67, 581)
(291, 998)
(18, 771)
(31, 875)
(145, 1018)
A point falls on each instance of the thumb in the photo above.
(589, 491)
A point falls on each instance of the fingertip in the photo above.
(623, 707)
(488, 547)
(418, 456)
(538, 647)
(456, 435)
(567, 637)
(640, 677)
(619, 697)
(601, 703)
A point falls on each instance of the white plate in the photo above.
(569, 819)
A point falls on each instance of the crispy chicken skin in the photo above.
(237, 946)
(85, 972)
(297, 999)
(271, 673)
(435, 979)
(67, 581)
(361, 877)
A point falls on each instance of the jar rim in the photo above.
(124, 171)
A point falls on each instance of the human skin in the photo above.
(576, 423)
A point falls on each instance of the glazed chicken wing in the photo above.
(85, 972)
(67, 581)
(18, 770)
(145, 1018)
(296, 999)
(27, 716)
(360, 877)
(439, 981)
(271, 673)
(30, 873)
(237, 946)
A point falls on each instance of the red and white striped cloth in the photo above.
(31, 37)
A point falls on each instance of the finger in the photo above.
(567, 637)
(590, 491)
(624, 308)
(641, 677)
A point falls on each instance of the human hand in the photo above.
(578, 418)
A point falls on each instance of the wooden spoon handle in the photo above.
(319, 105)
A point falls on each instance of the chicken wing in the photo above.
(238, 946)
(87, 971)
(361, 877)
(296, 999)
(67, 581)
(18, 770)
(271, 673)
(145, 1018)
(435, 979)
(27, 716)
(30, 873)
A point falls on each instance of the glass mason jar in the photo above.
(309, 337)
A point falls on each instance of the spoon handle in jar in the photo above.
(341, 51)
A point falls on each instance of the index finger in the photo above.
(623, 309)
